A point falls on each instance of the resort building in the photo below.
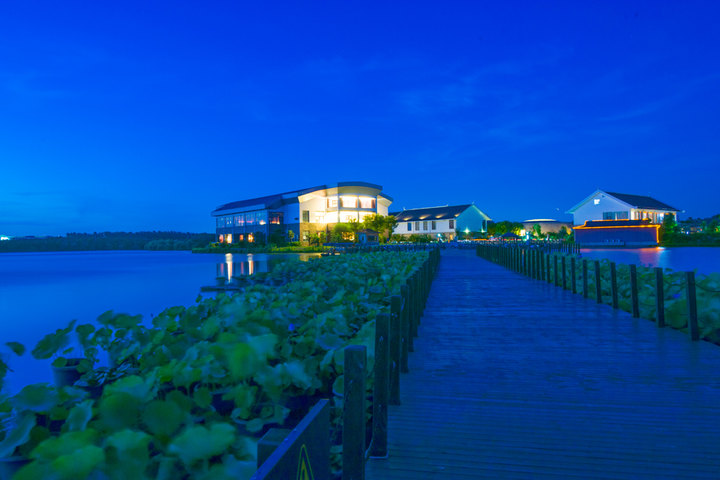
(440, 222)
(298, 214)
(609, 218)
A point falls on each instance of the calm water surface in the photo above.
(703, 259)
(40, 292)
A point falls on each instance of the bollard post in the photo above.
(585, 279)
(573, 278)
(659, 297)
(598, 284)
(564, 274)
(693, 328)
(405, 328)
(634, 291)
(555, 270)
(613, 285)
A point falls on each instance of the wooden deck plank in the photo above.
(516, 378)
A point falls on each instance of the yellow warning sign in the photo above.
(304, 471)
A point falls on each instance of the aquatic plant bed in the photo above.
(189, 395)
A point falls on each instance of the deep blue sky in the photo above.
(147, 115)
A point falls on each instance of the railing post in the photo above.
(613, 285)
(353, 434)
(555, 270)
(410, 314)
(598, 282)
(395, 348)
(585, 279)
(405, 329)
(693, 328)
(634, 291)
(564, 274)
(381, 390)
(573, 276)
(659, 297)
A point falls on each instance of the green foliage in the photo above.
(172, 401)
(109, 241)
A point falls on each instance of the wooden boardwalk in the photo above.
(516, 378)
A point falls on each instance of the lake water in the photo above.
(40, 292)
(703, 259)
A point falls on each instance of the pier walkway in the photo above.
(515, 378)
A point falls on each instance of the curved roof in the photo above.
(278, 199)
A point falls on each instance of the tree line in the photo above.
(108, 241)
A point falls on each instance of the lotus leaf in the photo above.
(200, 443)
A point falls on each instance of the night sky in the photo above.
(128, 116)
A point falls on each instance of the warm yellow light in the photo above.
(251, 238)
(228, 238)
(229, 263)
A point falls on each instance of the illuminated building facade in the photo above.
(299, 214)
(441, 222)
(609, 218)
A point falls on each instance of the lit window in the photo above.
(306, 235)
(366, 202)
(275, 218)
(228, 221)
(250, 218)
(240, 237)
(349, 202)
(251, 239)
(332, 202)
(228, 238)
(261, 218)
(239, 220)
(221, 238)
(306, 216)
(596, 201)
(451, 224)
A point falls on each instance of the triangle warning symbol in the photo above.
(304, 471)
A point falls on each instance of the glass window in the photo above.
(409, 226)
(219, 222)
(319, 217)
(425, 225)
(239, 220)
(228, 221)
(250, 218)
(306, 216)
(451, 224)
(276, 218)
(349, 202)
(366, 202)
(262, 217)
(417, 226)
(332, 202)
(306, 235)
(434, 225)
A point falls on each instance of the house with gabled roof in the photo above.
(611, 218)
(440, 222)
(602, 205)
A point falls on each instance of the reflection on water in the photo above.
(703, 259)
(239, 265)
(41, 292)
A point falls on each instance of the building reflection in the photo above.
(239, 265)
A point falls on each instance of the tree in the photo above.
(669, 224)
(537, 230)
(381, 224)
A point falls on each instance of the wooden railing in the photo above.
(283, 454)
(553, 268)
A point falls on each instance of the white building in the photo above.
(602, 205)
(302, 212)
(440, 222)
